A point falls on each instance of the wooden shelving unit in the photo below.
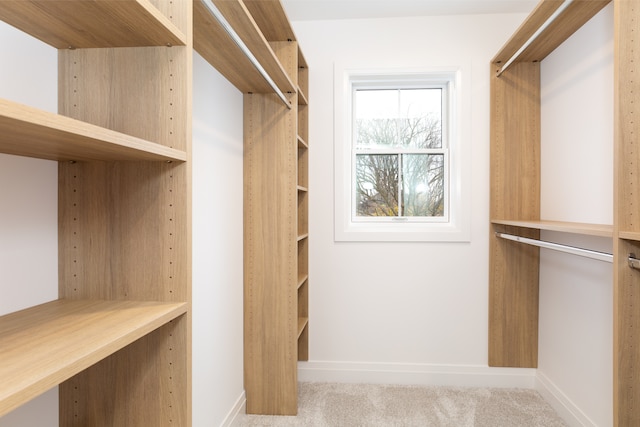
(276, 229)
(122, 323)
(515, 195)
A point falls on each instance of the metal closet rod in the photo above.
(243, 47)
(535, 35)
(588, 253)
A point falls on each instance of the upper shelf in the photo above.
(602, 230)
(216, 46)
(42, 346)
(566, 23)
(92, 24)
(27, 131)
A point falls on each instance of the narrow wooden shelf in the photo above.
(630, 235)
(27, 131)
(302, 143)
(302, 188)
(271, 18)
(301, 279)
(92, 24)
(42, 346)
(302, 323)
(216, 47)
(601, 230)
(303, 236)
(302, 99)
(570, 20)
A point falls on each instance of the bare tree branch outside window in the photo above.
(400, 167)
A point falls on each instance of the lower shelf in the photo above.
(42, 346)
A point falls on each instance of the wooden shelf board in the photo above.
(629, 235)
(27, 131)
(42, 346)
(92, 24)
(302, 143)
(602, 230)
(303, 236)
(302, 323)
(302, 99)
(302, 188)
(301, 279)
(213, 43)
(272, 19)
(567, 23)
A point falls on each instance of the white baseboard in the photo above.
(238, 408)
(561, 403)
(416, 374)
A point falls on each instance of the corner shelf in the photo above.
(29, 132)
(44, 345)
(93, 24)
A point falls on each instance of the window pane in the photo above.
(376, 185)
(399, 118)
(423, 185)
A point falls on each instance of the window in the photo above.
(399, 153)
(400, 157)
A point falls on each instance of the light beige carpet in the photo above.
(359, 405)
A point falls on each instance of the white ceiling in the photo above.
(304, 10)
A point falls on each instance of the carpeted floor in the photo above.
(359, 405)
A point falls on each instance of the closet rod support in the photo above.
(535, 35)
(588, 253)
(634, 262)
(243, 47)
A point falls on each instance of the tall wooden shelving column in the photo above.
(276, 235)
(515, 187)
(118, 339)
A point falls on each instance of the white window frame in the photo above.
(455, 227)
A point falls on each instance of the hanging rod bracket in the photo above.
(633, 261)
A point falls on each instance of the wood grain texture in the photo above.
(513, 300)
(27, 131)
(515, 195)
(570, 20)
(125, 226)
(44, 345)
(270, 256)
(217, 48)
(626, 283)
(91, 24)
(602, 230)
(272, 19)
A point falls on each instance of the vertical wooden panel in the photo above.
(626, 291)
(270, 251)
(515, 194)
(125, 227)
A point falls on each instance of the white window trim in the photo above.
(458, 228)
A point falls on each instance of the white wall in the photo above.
(217, 247)
(28, 228)
(400, 312)
(576, 296)
(28, 204)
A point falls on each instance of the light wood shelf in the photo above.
(27, 131)
(574, 17)
(302, 188)
(302, 323)
(216, 47)
(302, 98)
(301, 279)
(303, 236)
(630, 235)
(44, 345)
(602, 230)
(302, 143)
(92, 24)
